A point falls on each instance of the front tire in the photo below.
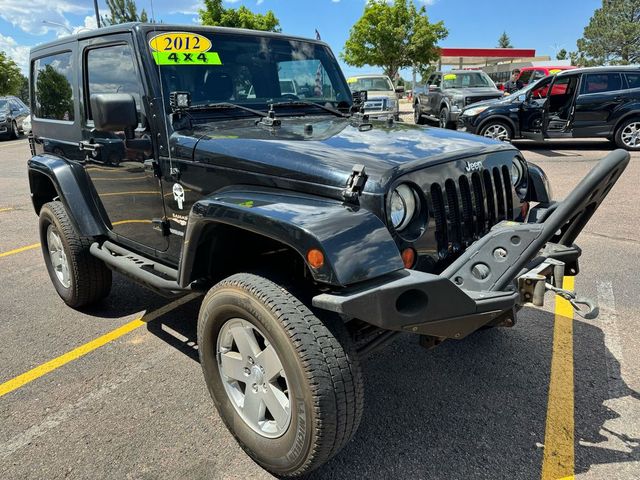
(444, 121)
(79, 278)
(14, 132)
(497, 130)
(628, 135)
(287, 386)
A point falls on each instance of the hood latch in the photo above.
(355, 183)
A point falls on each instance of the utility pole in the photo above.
(95, 7)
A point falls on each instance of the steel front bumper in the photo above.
(513, 264)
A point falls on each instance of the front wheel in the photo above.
(444, 121)
(497, 130)
(287, 386)
(14, 133)
(628, 135)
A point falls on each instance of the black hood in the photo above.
(323, 150)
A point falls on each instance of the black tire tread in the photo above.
(330, 365)
(92, 277)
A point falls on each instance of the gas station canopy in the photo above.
(464, 57)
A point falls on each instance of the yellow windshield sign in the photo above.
(352, 80)
(450, 76)
(180, 42)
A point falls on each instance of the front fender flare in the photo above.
(356, 244)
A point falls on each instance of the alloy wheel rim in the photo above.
(497, 132)
(59, 260)
(254, 378)
(443, 120)
(631, 135)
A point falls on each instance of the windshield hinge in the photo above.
(355, 183)
(270, 120)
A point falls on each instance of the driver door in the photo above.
(559, 108)
(532, 111)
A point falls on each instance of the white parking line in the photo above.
(608, 319)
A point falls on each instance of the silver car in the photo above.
(382, 100)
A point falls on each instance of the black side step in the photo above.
(157, 277)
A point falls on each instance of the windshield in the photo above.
(252, 70)
(467, 80)
(371, 84)
(4, 105)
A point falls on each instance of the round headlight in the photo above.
(402, 207)
(517, 171)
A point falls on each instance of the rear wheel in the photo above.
(79, 278)
(497, 130)
(418, 118)
(628, 135)
(287, 386)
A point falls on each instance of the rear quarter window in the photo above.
(633, 80)
(52, 87)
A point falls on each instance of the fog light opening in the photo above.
(412, 302)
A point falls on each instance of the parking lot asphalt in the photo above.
(498, 404)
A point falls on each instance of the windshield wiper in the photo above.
(224, 106)
(300, 103)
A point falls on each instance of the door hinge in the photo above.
(355, 183)
(163, 225)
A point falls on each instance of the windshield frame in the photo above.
(342, 98)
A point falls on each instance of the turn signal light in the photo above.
(408, 257)
(315, 258)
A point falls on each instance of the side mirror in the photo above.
(399, 89)
(114, 112)
(434, 88)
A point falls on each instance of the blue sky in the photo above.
(544, 25)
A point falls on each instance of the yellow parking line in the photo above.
(559, 450)
(18, 250)
(8, 209)
(51, 365)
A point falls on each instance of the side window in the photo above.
(112, 70)
(430, 81)
(633, 80)
(537, 75)
(51, 86)
(601, 82)
(437, 80)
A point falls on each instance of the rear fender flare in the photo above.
(72, 188)
(356, 244)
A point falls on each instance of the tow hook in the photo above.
(548, 276)
(591, 311)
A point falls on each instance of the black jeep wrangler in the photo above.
(316, 234)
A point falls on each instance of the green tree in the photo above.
(23, 93)
(123, 11)
(10, 76)
(562, 54)
(613, 34)
(504, 41)
(215, 14)
(393, 36)
(54, 94)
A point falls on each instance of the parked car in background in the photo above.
(288, 87)
(599, 102)
(12, 114)
(533, 74)
(449, 92)
(26, 125)
(382, 99)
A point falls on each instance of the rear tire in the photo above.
(628, 135)
(318, 375)
(418, 118)
(79, 278)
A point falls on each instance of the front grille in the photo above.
(470, 100)
(466, 208)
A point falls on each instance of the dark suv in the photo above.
(601, 102)
(449, 92)
(12, 114)
(314, 233)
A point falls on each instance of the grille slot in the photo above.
(466, 208)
